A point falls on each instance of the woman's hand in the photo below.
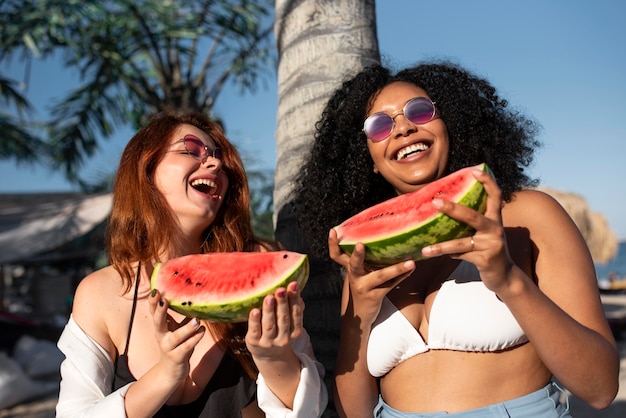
(177, 340)
(164, 382)
(368, 284)
(364, 289)
(270, 333)
(487, 248)
(271, 329)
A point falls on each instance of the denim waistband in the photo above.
(538, 404)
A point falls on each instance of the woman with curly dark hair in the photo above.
(486, 325)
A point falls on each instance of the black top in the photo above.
(227, 393)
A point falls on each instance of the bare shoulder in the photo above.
(96, 287)
(562, 256)
(96, 297)
(525, 199)
(538, 211)
(563, 266)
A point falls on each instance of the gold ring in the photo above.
(472, 242)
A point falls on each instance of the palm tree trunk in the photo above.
(320, 43)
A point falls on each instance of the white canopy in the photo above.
(32, 224)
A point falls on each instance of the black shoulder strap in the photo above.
(132, 312)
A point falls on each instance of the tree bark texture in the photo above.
(320, 43)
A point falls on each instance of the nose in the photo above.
(211, 161)
(403, 126)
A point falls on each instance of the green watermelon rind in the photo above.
(236, 310)
(440, 227)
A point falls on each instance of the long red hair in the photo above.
(142, 224)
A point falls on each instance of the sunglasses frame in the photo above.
(393, 116)
(214, 153)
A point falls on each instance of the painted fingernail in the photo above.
(153, 293)
(195, 322)
(161, 302)
(280, 293)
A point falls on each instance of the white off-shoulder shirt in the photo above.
(87, 377)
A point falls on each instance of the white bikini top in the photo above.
(465, 316)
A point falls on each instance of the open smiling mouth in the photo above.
(205, 186)
(411, 149)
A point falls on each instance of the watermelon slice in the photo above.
(226, 286)
(397, 229)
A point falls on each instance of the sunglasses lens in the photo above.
(378, 127)
(195, 147)
(217, 154)
(419, 110)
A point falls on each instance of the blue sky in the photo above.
(562, 62)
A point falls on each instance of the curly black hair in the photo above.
(338, 181)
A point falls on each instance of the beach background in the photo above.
(615, 308)
(616, 266)
(540, 55)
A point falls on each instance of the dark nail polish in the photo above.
(153, 293)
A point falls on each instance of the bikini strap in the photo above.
(132, 312)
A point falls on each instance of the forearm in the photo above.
(148, 394)
(281, 376)
(310, 397)
(585, 361)
(356, 390)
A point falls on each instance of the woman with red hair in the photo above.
(181, 189)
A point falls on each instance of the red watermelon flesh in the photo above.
(397, 229)
(226, 286)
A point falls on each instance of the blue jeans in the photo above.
(543, 403)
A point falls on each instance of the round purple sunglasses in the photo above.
(198, 149)
(419, 110)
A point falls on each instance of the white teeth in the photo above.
(404, 152)
(204, 183)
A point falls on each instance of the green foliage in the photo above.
(262, 202)
(17, 141)
(134, 58)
